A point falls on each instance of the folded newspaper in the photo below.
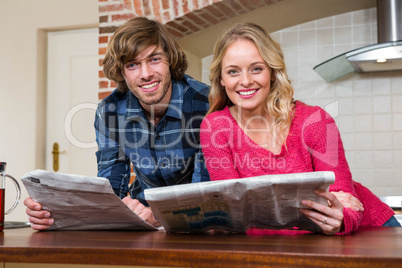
(270, 201)
(81, 203)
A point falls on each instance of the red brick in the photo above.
(112, 84)
(137, 7)
(102, 95)
(127, 3)
(177, 26)
(103, 19)
(174, 32)
(215, 12)
(176, 9)
(123, 17)
(237, 7)
(195, 4)
(103, 39)
(165, 4)
(166, 16)
(226, 10)
(208, 17)
(147, 8)
(109, 8)
(102, 50)
(106, 30)
(103, 84)
(197, 20)
(186, 10)
(156, 8)
(190, 25)
(101, 74)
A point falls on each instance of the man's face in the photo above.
(148, 77)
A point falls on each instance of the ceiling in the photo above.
(277, 16)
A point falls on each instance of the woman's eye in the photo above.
(232, 72)
(257, 69)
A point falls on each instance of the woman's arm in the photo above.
(214, 138)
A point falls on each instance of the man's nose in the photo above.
(146, 71)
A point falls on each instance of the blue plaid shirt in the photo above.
(167, 154)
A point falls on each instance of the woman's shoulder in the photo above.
(221, 118)
(309, 112)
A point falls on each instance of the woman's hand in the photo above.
(329, 218)
(348, 201)
(142, 211)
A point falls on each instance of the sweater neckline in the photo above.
(256, 147)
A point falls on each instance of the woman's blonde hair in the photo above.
(131, 39)
(280, 97)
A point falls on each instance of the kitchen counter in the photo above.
(369, 247)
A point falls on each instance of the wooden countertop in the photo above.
(369, 247)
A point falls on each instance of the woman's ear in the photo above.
(222, 83)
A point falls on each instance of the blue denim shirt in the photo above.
(167, 154)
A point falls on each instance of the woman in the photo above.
(254, 127)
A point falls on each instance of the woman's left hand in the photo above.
(330, 219)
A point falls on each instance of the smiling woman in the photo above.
(253, 116)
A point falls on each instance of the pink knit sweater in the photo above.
(313, 144)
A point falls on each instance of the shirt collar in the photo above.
(134, 110)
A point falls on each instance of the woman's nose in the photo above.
(246, 80)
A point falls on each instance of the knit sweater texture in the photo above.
(313, 144)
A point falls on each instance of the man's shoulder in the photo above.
(195, 87)
(114, 96)
(110, 103)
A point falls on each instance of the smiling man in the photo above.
(151, 120)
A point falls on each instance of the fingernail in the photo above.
(47, 215)
(37, 207)
(304, 202)
(51, 221)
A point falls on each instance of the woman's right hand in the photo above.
(39, 219)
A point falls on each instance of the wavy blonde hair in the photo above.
(280, 97)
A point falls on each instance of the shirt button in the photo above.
(157, 136)
(163, 164)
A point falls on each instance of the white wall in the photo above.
(23, 75)
(367, 107)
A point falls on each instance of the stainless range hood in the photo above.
(384, 56)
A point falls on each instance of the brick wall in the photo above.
(182, 18)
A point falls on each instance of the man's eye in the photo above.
(156, 59)
(131, 65)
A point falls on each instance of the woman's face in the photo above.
(245, 76)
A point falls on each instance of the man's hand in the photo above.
(144, 212)
(40, 219)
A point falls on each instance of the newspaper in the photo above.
(270, 201)
(81, 203)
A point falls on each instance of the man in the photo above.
(151, 120)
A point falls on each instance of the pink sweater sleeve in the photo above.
(215, 143)
(323, 140)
